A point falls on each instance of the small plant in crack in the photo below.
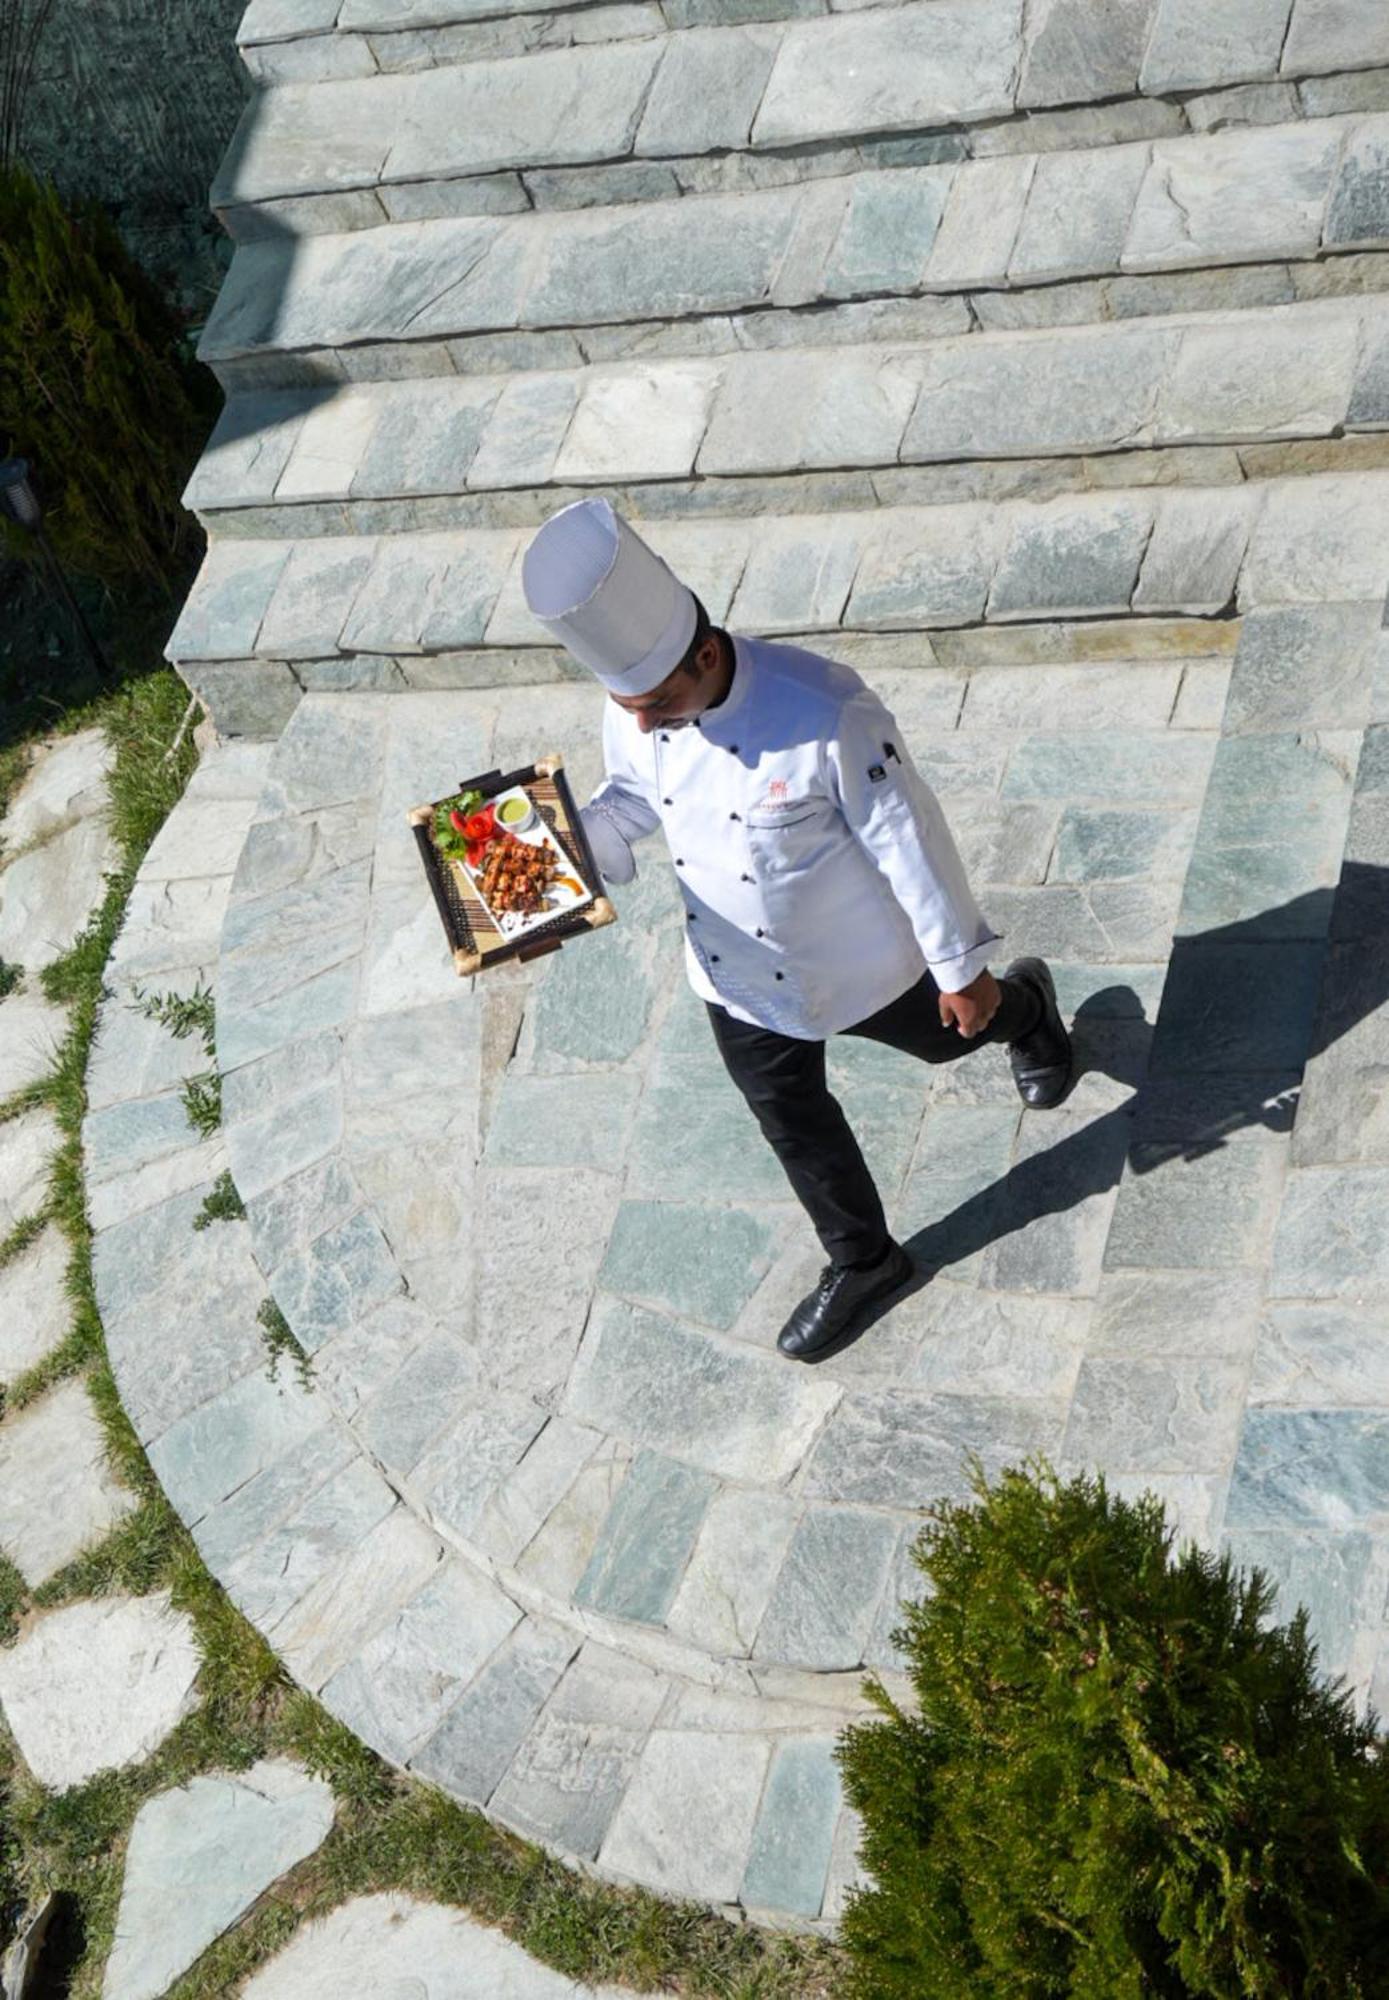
(278, 1337)
(222, 1203)
(183, 1014)
(202, 1102)
(11, 978)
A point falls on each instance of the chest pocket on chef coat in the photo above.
(787, 838)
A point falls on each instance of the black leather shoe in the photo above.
(1042, 1060)
(826, 1317)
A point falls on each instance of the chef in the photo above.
(823, 893)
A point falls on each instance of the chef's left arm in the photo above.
(896, 817)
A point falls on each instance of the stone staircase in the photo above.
(1035, 360)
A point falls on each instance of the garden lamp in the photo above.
(19, 503)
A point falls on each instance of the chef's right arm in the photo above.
(622, 809)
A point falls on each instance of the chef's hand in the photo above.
(973, 1007)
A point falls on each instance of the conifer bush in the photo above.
(96, 390)
(1119, 1782)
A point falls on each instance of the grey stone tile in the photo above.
(644, 421)
(1074, 55)
(1331, 1238)
(725, 1589)
(427, 1390)
(1003, 843)
(574, 1121)
(905, 1585)
(477, 1448)
(356, 1598)
(407, 1676)
(577, 1759)
(223, 613)
(1193, 49)
(1133, 694)
(992, 1344)
(642, 1376)
(720, 1144)
(707, 90)
(1339, 34)
(887, 232)
(821, 1610)
(1191, 564)
(688, 1816)
(879, 73)
(974, 244)
(1117, 844)
(934, 567)
(533, 1286)
(1211, 1212)
(524, 433)
(233, 1528)
(267, 1577)
(1047, 1223)
(911, 1449)
(636, 1567)
(1164, 770)
(1196, 1313)
(1232, 196)
(1315, 541)
(806, 410)
(125, 1137)
(799, 575)
(302, 1205)
(58, 1495)
(1304, 667)
(1140, 1414)
(1326, 1355)
(998, 397)
(1300, 388)
(1331, 1576)
(314, 597)
(1319, 1469)
(964, 1150)
(1077, 214)
(558, 1552)
(721, 256)
(425, 436)
(471, 1748)
(1269, 998)
(704, 1263)
(1072, 558)
(217, 1447)
(1359, 210)
(525, 1497)
(594, 1006)
(322, 1288)
(789, 1859)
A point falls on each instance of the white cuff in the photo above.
(611, 849)
(954, 974)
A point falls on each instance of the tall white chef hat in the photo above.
(606, 596)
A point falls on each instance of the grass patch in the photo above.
(202, 1102)
(221, 1203)
(11, 978)
(21, 1236)
(278, 1339)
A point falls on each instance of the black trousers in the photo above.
(784, 1083)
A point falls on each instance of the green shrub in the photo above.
(1120, 1781)
(96, 390)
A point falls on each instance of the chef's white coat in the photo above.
(818, 874)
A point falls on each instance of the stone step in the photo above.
(627, 88)
(267, 619)
(404, 298)
(700, 427)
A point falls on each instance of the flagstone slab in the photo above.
(65, 781)
(58, 1495)
(35, 1310)
(97, 1685)
(48, 893)
(27, 1146)
(197, 1859)
(366, 1942)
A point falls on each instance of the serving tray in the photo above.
(476, 939)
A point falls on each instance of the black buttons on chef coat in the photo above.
(732, 749)
(761, 932)
(745, 878)
(781, 975)
(678, 862)
(713, 958)
(667, 802)
(734, 815)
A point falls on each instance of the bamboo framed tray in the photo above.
(510, 867)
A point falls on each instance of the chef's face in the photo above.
(682, 695)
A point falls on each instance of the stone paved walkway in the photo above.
(552, 1524)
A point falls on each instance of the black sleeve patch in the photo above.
(876, 773)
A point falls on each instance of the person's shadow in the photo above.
(1244, 1008)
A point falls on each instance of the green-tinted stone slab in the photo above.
(229, 1439)
(470, 1750)
(1322, 1356)
(267, 1578)
(744, 1416)
(1162, 768)
(595, 1003)
(1051, 1213)
(326, 1286)
(900, 1448)
(1301, 667)
(1173, 1414)
(694, 1135)
(1332, 1235)
(645, 1542)
(1333, 1576)
(572, 1121)
(822, 1607)
(1233, 1006)
(791, 1842)
(1271, 834)
(1207, 1210)
(704, 1263)
(1110, 844)
(1310, 1469)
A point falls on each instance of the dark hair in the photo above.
(703, 627)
